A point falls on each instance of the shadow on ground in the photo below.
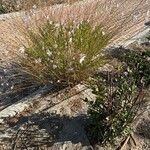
(15, 84)
(143, 129)
(45, 130)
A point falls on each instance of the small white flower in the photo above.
(58, 81)
(51, 82)
(103, 33)
(82, 57)
(22, 49)
(107, 118)
(2, 84)
(70, 69)
(54, 66)
(125, 73)
(22, 128)
(34, 7)
(12, 87)
(5, 70)
(148, 59)
(38, 60)
(49, 53)
(51, 61)
(57, 25)
(7, 84)
(55, 45)
(69, 33)
(50, 22)
(129, 70)
(70, 40)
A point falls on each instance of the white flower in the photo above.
(38, 60)
(22, 128)
(34, 7)
(69, 33)
(107, 118)
(5, 70)
(22, 49)
(50, 22)
(54, 66)
(2, 84)
(70, 69)
(51, 82)
(12, 87)
(125, 73)
(103, 33)
(129, 70)
(49, 53)
(57, 25)
(82, 57)
(55, 45)
(58, 81)
(51, 61)
(70, 40)
(148, 59)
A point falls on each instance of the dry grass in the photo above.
(7, 6)
(126, 17)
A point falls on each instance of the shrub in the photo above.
(117, 103)
(119, 95)
(66, 54)
(136, 61)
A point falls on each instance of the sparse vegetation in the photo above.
(64, 54)
(7, 6)
(57, 48)
(119, 97)
(117, 103)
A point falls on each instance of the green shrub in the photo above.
(119, 95)
(66, 54)
(137, 61)
(117, 103)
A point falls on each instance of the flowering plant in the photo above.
(66, 54)
(118, 102)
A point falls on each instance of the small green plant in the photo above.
(117, 104)
(2, 9)
(66, 54)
